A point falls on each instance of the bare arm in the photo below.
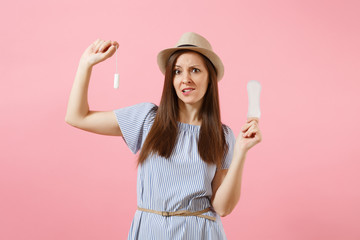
(227, 183)
(78, 113)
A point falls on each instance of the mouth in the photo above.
(187, 90)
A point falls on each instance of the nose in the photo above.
(186, 78)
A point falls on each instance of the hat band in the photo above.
(187, 45)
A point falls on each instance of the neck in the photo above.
(189, 113)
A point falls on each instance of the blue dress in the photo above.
(182, 182)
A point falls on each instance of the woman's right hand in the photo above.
(99, 51)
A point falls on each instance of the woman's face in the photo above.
(191, 78)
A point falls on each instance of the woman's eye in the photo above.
(176, 71)
(196, 70)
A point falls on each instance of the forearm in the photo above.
(228, 193)
(78, 106)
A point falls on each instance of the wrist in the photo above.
(240, 152)
(85, 65)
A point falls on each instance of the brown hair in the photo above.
(163, 134)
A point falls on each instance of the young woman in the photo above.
(190, 165)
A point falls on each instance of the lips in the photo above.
(185, 90)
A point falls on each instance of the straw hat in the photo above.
(195, 42)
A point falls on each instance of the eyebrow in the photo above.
(196, 65)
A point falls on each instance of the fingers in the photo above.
(97, 44)
(249, 128)
(249, 132)
(248, 124)
(101, 46)
(109, 52)
(252, 132)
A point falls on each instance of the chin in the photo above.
(190, 101)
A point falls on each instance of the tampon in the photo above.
(116, 76)
(253, 89)
(116, 80)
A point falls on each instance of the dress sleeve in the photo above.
(134, 121)
(230, 140)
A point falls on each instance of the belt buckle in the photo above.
(165, 214)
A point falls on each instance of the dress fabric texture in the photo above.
(181, 182)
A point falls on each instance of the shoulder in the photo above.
(146, 105)
(137, 112)
(227, 129)
(228, 132)
(151, 107)
(146, 109)
(152, 111)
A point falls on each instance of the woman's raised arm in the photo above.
(78, 113)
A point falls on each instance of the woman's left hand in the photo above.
(250, 135)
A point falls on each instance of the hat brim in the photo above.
(164, 55)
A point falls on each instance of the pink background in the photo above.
(301, 182)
